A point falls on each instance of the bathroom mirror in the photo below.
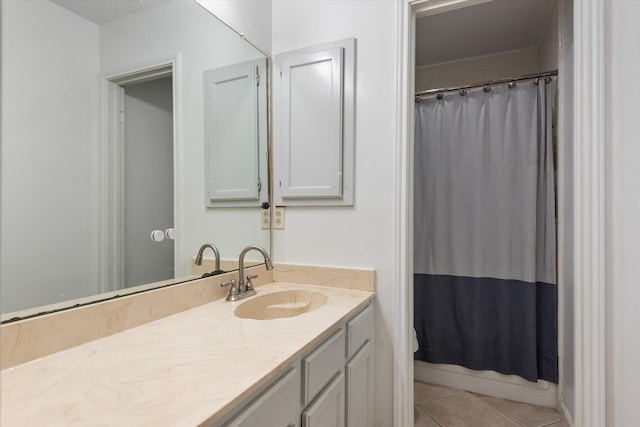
(103, 121)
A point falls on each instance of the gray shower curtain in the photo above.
(485, 232)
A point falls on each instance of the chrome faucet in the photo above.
(215, 252)
(244, 289)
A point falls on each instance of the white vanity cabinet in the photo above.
(330, 386)
(323, 383)
(328, 409)
(274, 407)
(359, 369)
(322, 364)
(359, 375)
(346, 381)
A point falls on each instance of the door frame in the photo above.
(111, 260)
(588, 199)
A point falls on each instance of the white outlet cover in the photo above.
(277, 221)
(265, 219)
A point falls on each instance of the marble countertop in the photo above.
(186, 369)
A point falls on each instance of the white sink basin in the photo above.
(281, 304)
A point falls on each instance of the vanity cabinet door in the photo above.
(328, 409)
(322, 364)
(359, 330)
(278, 406)
(360, 388)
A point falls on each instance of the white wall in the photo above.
(564, 47)
(556, 52)
(622, 211)
(138, 39)
(362, 235)
(479, 69)
(548, 51)
(49, 115)
(249, 17)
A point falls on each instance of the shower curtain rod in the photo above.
(487, 83)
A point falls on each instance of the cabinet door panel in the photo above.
(276, 407)
(314, 131)
(232, 134)
(360, 388)
(328, 409)
(322, 364)
(359, 330)
(313, 137)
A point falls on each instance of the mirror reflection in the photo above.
(103, 149)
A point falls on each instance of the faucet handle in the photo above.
(232, 283)
(249, 277)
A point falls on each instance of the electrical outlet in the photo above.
(265, 218)
(278, 218)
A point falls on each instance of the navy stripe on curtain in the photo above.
(487, 324)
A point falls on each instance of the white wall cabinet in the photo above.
(330, 386)
(314, 118)
(312, 137)
(235, 135)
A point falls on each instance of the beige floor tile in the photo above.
(421, 419)
(424, 391)
(525, 414)
(465, 410)
(560, 424)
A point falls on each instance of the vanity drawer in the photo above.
(322, 365)
(277, 406)
(359, 330)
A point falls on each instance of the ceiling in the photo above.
(487, 28)
(103, 11)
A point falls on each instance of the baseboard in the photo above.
(512, 387)
(568, 419)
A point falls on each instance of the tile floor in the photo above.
(438, 406)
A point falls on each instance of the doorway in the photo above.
(588, 198)
(491, 41)
(148, 182)
(139, 189)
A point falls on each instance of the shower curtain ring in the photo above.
(487, 88)
(439, 96)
